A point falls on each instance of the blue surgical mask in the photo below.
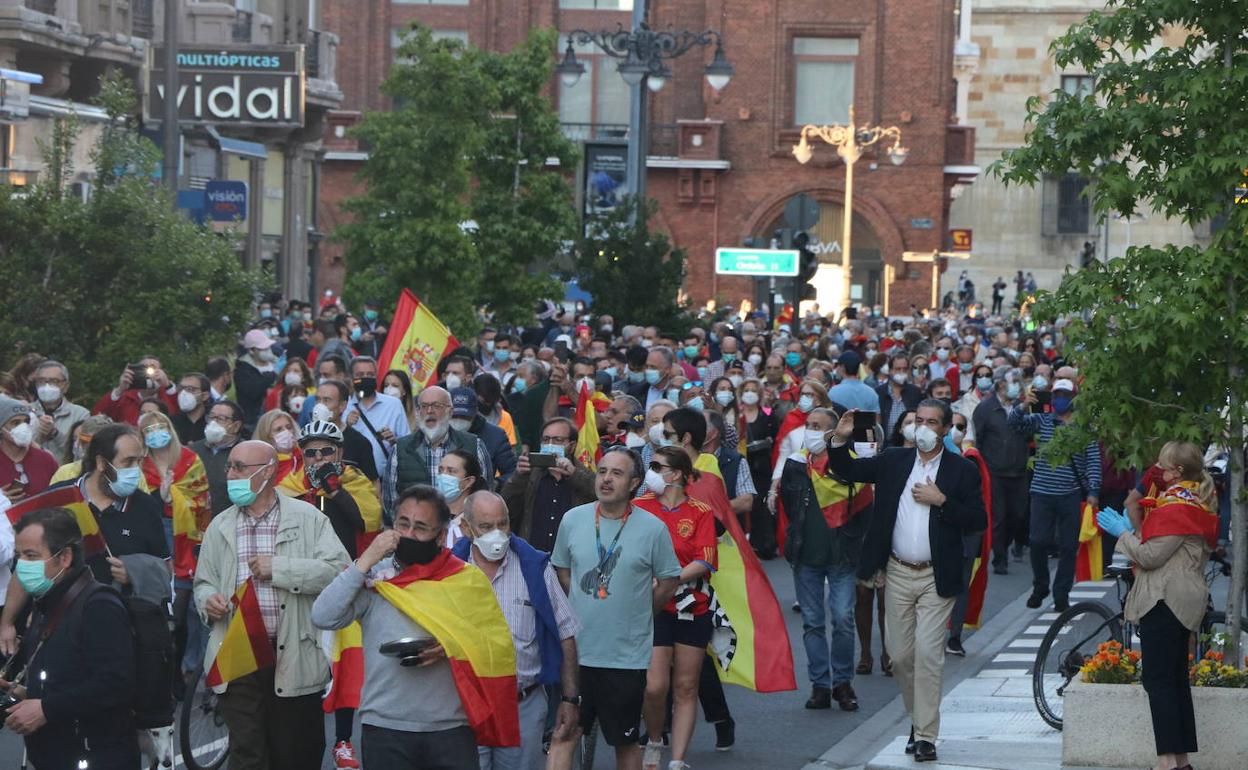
(729, 357)
(695, 403)
(1039, 383)
(964, 367)
(356, 333)
(157, 439)
(1063, 404)
(612, 371)
(518, 385)
(805, 404)
(702, 373)
(33, 576)
(266, 313)
(501, 355)
(448, 485)
(552, 449)
(792, 359)
(240, 491)
(1013, 390)
(673, 395)
(983, 383)
(691, 352)
(370, 315)
(636, 377)
(653, 376)
(126, 482)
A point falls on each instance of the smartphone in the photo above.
(864, 426)
(140, 376)
(541, 460)
(1043, 399)
(561, 351)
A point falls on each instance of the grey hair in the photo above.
(634, 406)
(49, 363)
(471, 501)
(361, 360)
(532, 368)
(666, 352)
(661, 402)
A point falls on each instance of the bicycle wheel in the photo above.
(1213, 634)
(1069, 642)
(205, 740)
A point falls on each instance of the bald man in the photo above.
(289, 552)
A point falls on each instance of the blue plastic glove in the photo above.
(1113, 522)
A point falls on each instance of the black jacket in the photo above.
(88, 687)
(251, 386)
(962, 513)
(798, 495)
(1004, 450)
(498, 446)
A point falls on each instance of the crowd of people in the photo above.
(879, 456)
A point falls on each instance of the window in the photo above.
(600, 96)
(1078, 85)
(6, 144)
(398, 33)
(602, 5)
(1073, 207)
(823, 79)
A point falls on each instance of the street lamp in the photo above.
(849, 141)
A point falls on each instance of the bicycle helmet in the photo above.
(323, 430)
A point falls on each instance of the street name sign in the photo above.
(765, 262)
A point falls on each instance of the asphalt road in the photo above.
(773, 730)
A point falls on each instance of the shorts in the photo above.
(670, 630)
(613, 697)
(875, 582)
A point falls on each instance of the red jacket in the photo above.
(126, 408)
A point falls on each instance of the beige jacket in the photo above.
(1169, 568)
(308, 556)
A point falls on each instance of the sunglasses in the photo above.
(659, 467)
(322, 452)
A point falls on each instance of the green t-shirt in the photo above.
(618, 627)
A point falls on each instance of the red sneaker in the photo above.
(344, 756)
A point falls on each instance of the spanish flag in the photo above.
(762, 660)
(246, 647)
(588, 447)
(66, 495)
(416, 342)
(347, 664)
(834, 497)
(354, 483)
(456, 604)
(188, 506)
(1179, 511)
(979, 574)
(1088, 562)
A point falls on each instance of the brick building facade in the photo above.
(720, 165)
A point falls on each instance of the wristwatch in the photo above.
(575, 700)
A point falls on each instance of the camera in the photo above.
(406, 650)
(7, 701)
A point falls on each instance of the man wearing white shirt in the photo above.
(925, 500)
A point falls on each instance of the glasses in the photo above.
(238, 467)
(221, 419)
(48, 381)
(313, 453)
(659, 467)
(192, 389)
(669, 434)
(433, 407)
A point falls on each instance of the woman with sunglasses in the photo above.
(683, 628)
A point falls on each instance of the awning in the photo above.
(30, 78)
(239, 147)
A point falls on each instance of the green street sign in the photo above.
(777, 262)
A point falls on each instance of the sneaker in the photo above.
(676, 764)
(344, 756)
(954, 647)
(797, 607)
(1036, 599)
(651, 756)
(725, 734)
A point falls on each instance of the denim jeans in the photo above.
(1055, 517)
(840, 595)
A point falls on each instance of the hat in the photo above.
(463, 402)
(850, 360)
(257, 338)
(581, 329)
(565, 339)
(11, 407)
(1065, 385)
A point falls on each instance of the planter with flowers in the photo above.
(1106, 721)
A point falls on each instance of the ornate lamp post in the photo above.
(849, 141)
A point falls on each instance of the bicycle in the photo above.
(203, 735)
(1087, 625)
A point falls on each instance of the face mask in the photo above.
(816, 330)
(749, 397)
(518, 385)
(48, 394)
(1046, 344)
(691, 351)
(653, 376)
(356, 333)
(365, 387)
(612, 372)
(157, 439)
(370, 315)
(957, 434)
(920, 371)
(22, 435)
(695, 403)
(266, 313)
(293, 378)
(900, 378)
(636, 377)
(266, 356)
(322, 413)
(634, 441)
(701, 373)
(413, 551)
(907, 432)
(792, 359)
(214, 433)
(448, 485)
(723, 397)
(673, 395)
(126, 482)
(79, 451)
(656, 434)
(942, 354)
(964, 367)
(552, 449)
(805, 404)
(283, 440)
(240, 491)
(1063, 404)
(647, 343)
(925, 438)
(492, 544)
(899, 335)
(1039, 383)
(969, 339)
(729, 357)
(736, 380)
(585, 382)
(33, 576)
(755, 359)
(187, 401)
(460, 424)
(984, 384)
(453, 381)
(607, 328)
(393, 391)
(884, 370)
(307, 315)
(655, 482)
(814, 442)
(502, 355)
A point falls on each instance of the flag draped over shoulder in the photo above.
(1178, 511)
(66, 495)
(763, 660)
(416, 342)
(456, 604)
(191, 512)
(588, 446)
(979, 573)
(354, 483)
(834, 497)
(346, 662)
(246, 647)
(1089, 563)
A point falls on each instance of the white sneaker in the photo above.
(676, 764)
(651, 756)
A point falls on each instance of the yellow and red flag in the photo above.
(763, 659)
(456, 604)
(188, 506)
(66, 495)
(1089, 564)
(354, 483)
(347, 666)
(834, 497)
(588, 447)
(246, 647)
(979, 574)
(416, 342)
(1179, 511)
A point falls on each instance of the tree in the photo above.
(96, 284)
(459, 205)
(1160, 334)
(630, 272)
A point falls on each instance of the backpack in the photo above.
(152, 703)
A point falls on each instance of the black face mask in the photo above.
(1029, 371)
(365, 387)
(412, 551)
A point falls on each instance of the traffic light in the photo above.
(808, 265)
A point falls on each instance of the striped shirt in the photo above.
(258, 537)
(1060, 480)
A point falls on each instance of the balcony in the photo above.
(312, 62)
(590, 132)
(241, 30)
(960, 154)
(142, 20)
(321, 62)
(683, 144)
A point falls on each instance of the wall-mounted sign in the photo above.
(922, 224)
(777, 262)
(232, 85)
(960, 240)
(226, 200)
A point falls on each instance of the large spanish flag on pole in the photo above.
(762, 660)
(416, 342)
(66, 495)
(246, 647)
(455, 603)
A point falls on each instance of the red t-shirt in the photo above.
(692, 527)
(37, 468)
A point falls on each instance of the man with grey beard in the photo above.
(417, 455)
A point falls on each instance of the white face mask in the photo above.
(749, 397)
(907, 432)
(655, 482)
(634, 440)
(296, 404)
(942, 354)
(957, 435)
(48, 394)
(460, 424)
(22, 435)
(394, 391)
(187, 401)
(755, 359)
(900, 377)
(294, 378)
(736, 380)
(322, 413)
(493, 544)
(814, 442)
(214, 432)
(656, 434)
(723, 397)
(453, 381)
(925, 438)
(283, 440)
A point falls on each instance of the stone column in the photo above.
(293, 264)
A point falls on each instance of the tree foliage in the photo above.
(96, 284)
(631, 272)
(459, 205)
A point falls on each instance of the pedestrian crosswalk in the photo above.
(1018, 656)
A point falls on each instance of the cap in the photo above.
(257, 338)
(1066, 385)
(11, 407)
(850, 360)
(564, 339)
(463, 402)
